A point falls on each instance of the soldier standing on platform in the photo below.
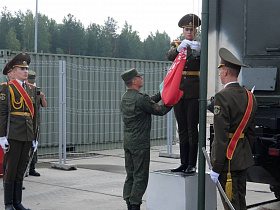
(19, 116)
(187, 109)
(234, 126)
(136, 109)
(41, 101)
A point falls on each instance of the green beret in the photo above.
(130, 73)
(229, 60)
(31, 76)
(189, 21)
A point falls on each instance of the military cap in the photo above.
(20, 60)
(229, 60)
(8, 68)
(189, 21)
(130, 73)
(31, 76)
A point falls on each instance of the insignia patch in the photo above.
(2, 96)
(217, 110)
(156, 107)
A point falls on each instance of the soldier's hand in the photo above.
(195, 45)
(185, 43)
(35, 145)
(214, 176)
(4, 142)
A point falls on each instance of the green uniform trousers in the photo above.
(238, 189)
(16, 160)
(137, 163)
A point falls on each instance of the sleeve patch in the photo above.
(2, 96)
(217, 110)
(156, 107)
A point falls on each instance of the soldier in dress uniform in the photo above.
(17, 134)
(41, 101)
(187, 109)
(136, 109)
(231, 152)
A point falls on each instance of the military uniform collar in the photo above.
(235, 82)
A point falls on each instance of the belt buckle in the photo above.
(25, 113)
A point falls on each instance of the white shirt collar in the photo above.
(230, 83)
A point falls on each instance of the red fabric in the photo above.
(170, 92)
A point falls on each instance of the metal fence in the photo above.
(92, 89)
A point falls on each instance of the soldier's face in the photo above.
(189, 33)
(139, 81)
(21, 73)
(222, 73)
(11, 75)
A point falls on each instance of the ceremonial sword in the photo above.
(218, 184)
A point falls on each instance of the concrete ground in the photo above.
(97, 183)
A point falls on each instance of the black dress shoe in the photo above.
(33, 173)
(190, 169)
(181, 168)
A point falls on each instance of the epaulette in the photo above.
(176, 43)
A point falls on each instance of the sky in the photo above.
(145, 16)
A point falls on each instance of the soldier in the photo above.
(16, 135)
(136, 109)
(234, 125)
(187, 109)
(41, 101)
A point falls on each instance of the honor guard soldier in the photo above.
(234, 128)
(41, 101)
(17, 134)
(187, 109)
(136, 109)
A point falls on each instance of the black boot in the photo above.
(32, 171)
(18, 196)
(128, 206)
(192, 159)
(184, 156)
(8, 195)
(135, 207)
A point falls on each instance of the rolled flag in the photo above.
(169, 88)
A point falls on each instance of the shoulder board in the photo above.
(176, 43)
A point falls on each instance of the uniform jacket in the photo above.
(229, 109)
(136, 109)
(21, 127)
(189, 83)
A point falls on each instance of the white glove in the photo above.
(184, 44)
(4, 142)
(195, 45)
(214, 176)
(35, 145)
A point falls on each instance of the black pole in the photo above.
(203, 104)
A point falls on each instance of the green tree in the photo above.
(156, 46)
(44, 36)
(5, 22)
(130, 45)
(94, 43)
(28, 31)
(12, 41)
(108, 37)
(73, 34)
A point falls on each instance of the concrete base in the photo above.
(178, 191)
(66, 167)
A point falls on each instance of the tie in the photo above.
(24, 85)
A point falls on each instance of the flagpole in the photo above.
(203, 103)
(36, 28)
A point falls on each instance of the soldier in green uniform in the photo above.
(187, 109)
(136, 109)
(41, 101)
(230, 107)
(20, 135)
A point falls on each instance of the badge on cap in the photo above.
(217, 110)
